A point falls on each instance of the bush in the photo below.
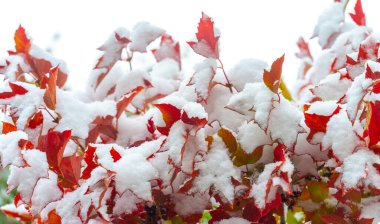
(151, 144)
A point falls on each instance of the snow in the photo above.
(371, 208)
(10, 152)
(133, 172)
(77, 115)
(203, 76)
(246, 71)
(321, 66)
(340, 136)
(324, 108)
(284, 122)
(332, 87)
(216, 170)
(190, 204)
(195, 110)
(37, 52)
(329, 22)
(256, 97)
(23, 178)
(250, 136)
(143, 34)
(355, 93)
(234, 220)
(355, 167)
(50, 191)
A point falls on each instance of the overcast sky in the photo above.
(252, 28)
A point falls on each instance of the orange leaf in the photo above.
(50, 92)
(22, 42)
(8, 127)
(358, 16)
(229, 140)
(206, 38)
(272, 78)
(170, 114)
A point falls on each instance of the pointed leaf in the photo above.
(272, 78)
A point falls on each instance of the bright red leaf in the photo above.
(318, 123)
(22, 42)
(8, 127)
(358, 16)
(170, 114)
(115, 155)
(126, 100)
(207, 44)
(372, 127)
(36, 120)
(89, 158)
(16, 90)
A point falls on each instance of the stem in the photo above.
(129, 59)
(225, 75)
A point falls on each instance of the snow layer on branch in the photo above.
(355, 93)
(324, 108)
(251, 136)
(45, 191)
(190, 204)
(246, 71)
(10, 152)
(165, 77)
(134, 172)
(25, 177)
(234, 220)
(370, 208)
(329, 22)
(256, 97)
(26, 104)
(203, 76)
(332, 87)
(321, 66)
(284, 122)
(216, 170)
(195, 110)
(355, 167)
(77, 115)
(143, 34)
(340, 136)
(13, 63)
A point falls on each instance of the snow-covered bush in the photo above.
(152, 144)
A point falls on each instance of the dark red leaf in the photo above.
(251, 212)
(279, 153)
(332, 219)
(70, 169)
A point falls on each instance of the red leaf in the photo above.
(369, 74)
(115, 155)
(50, 92)
(170, 114)
(150, 126)
(251, 212)
(272, 78)
(25, 144)
(36, 120)
(207, 44)
(126, 100)
(304, 49)
(372, 127)
(54, 144)
(22, 42)
(14, 213)
(89, 157)
(16, 90)
(70, 169)
(168, 49)
(199, 122)
(17, 199)
(332, 219)
(318, 123)
(8, 127)
(279, 153)
(358, 16)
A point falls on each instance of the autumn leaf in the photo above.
(70, 167)
(207, 44)
(36, 120)
(318, 123)
(196, 121)
(168, 49)
(22, 42)
(372, 127)
(8, 127)
(54, 144)
(279, 153)
(126, 100)
(304, 51)
(89, 158)
(332, 219)
(272, 78)
(16, 90)
(358, 16)
(50, 92)
(170, 114)
(115, 155)
(319, 191)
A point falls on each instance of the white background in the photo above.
(263, 29)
